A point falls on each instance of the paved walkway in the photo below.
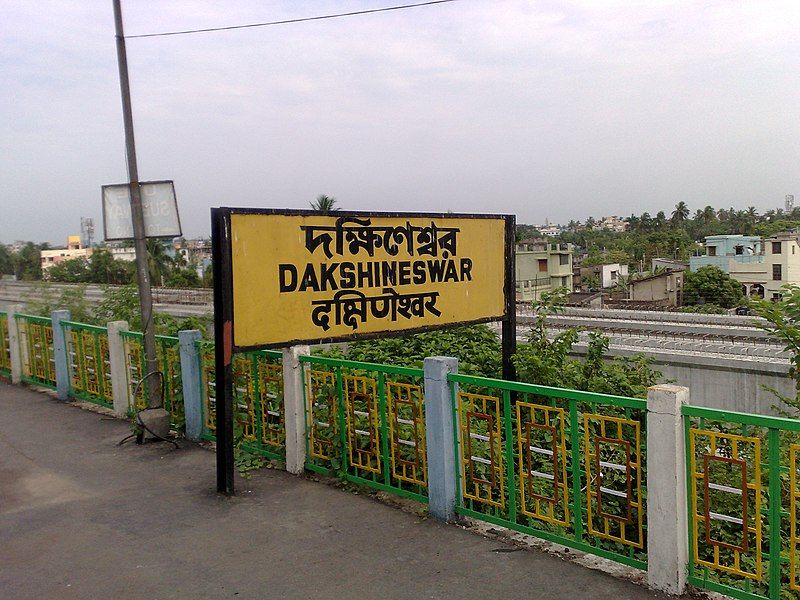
(81, 517)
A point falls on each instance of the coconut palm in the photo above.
(681, 212)
(324, 204)
(159, 263)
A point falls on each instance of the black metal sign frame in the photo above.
(225, 346)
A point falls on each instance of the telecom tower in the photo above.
(87, 231)
(789, 203)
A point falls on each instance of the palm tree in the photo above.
(159, 263)
(324, 204)
(709, 215)
(681, 212)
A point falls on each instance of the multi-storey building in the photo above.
(612, 223)
(608, 275)
(762, 266)
(542, 266)
(74, 249)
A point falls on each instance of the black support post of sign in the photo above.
(509, 345)
(223, 346)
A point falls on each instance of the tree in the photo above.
(183, 278)
(6, 261)
(324, 204)
(711, 285)
(783, 322)
(681, 213)
(159, 263)
(104, 268)
(28, 262)
(74, 270)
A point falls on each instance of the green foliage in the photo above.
(28, 262)
(104, 268)
(73, 299)
(477, 348)
(122, 304)
(546, 361)
(6, 261)
(590, 282)
(246, 462)
(324, 204)
(183, 278)
(711, 285)
(783, 322)
(605, 258)
(74, 270)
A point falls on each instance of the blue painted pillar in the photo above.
(190, 379)
(60, 353)
(439, 437)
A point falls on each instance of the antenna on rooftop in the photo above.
(87, 231)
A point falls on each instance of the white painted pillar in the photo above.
(119, 367)
(667, 537)
(294, 408)
(439, 440)
(14, 343)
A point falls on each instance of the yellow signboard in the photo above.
(303, 277)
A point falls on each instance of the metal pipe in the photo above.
(139, 240)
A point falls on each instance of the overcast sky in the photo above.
(548, 109)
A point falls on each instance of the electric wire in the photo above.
(288, 21)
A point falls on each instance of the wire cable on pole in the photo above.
(288, 21)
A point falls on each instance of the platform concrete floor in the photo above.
(81, 517)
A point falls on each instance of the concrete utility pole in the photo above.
(156, 419)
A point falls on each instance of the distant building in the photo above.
(542, 266)
(74, 249)
(196, 253)
(607, 275)
(665, 289)
(668, 263)
(612, 223)
(762, 266)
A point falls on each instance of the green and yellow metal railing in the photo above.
(257, 400)
(5, 346)
(169, 364)
(366, 423)
(743, 486)
(88, 361)
(564, 465)
(36, 350)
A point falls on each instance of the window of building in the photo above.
(563, 282)
(542, 265)
(613, 275)
(776, 272)
(776, 297)
(712, 250)
(563, 259)
(776, 247)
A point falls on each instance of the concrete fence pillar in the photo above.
(439, 438)
(667, 537)
(14, 343)
(191, 383)
(60, 353)
(118, 358)
(294, 408)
